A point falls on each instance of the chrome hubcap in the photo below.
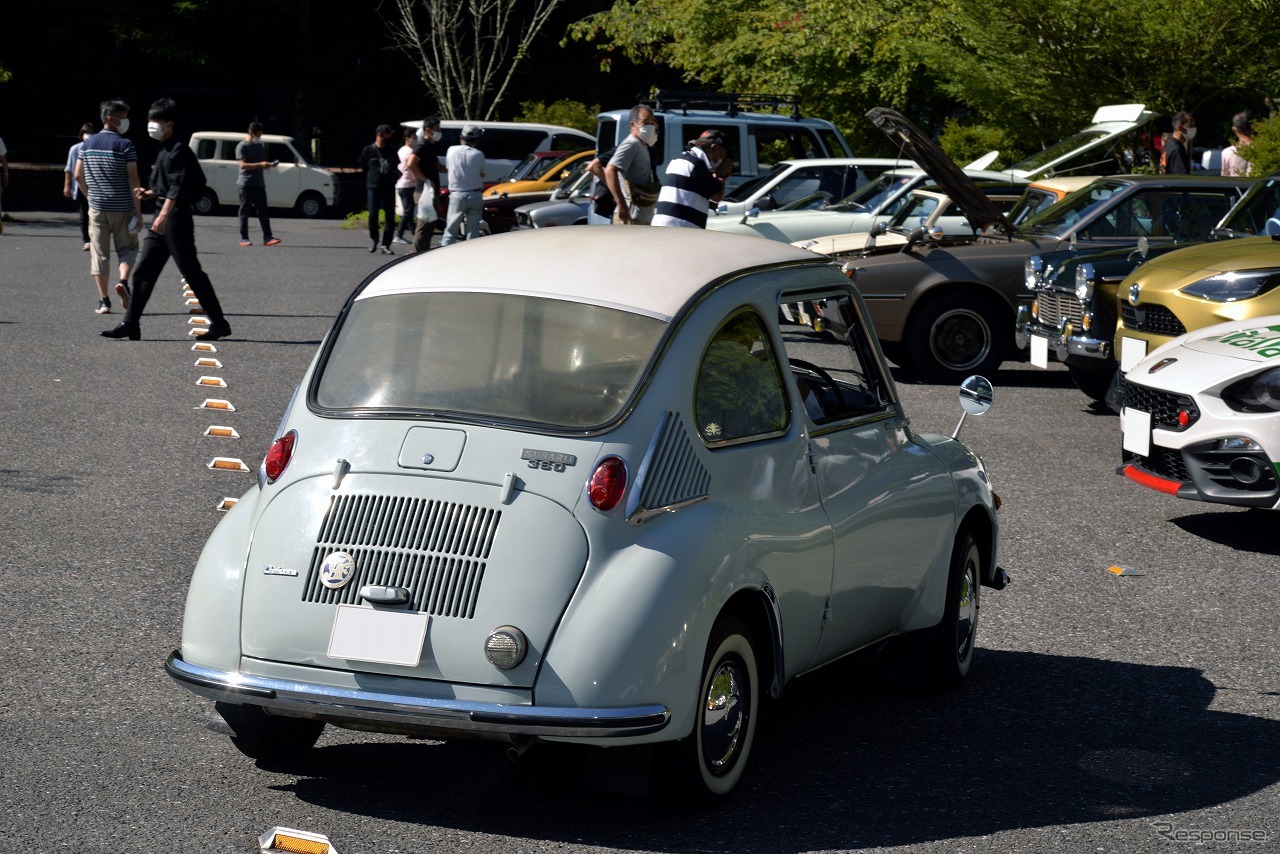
(722, 717)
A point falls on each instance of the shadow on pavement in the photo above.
(1247, 530)
(853, 758)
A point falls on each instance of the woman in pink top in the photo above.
(405, 187)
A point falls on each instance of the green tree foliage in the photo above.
(1264, 151)
(572, 114)
(967, 142)
(1032, 70)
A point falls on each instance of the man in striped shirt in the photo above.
(692, 181)
(107, 173)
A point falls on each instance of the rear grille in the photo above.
(1164, 406)
(1055, 305)
(435, 549)
(1155, 319)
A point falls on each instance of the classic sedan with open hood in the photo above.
(590, 514)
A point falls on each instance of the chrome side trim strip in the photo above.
(326, 702)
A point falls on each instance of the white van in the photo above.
(506, 144)
(756, 141)
(295, 183)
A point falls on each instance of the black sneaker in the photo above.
(104, 306)
(122, 291)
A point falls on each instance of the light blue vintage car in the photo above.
(586, 486)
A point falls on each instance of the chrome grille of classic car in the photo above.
(1055, 305)
(671, 472)
(435, 549)
(1164, 406)
(1156, 319)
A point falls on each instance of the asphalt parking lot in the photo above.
(1106, 712)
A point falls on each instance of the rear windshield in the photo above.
(502, 356)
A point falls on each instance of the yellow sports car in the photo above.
(1196, 287)
(540, 176)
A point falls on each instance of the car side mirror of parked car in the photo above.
(976, 397)
(754, 212)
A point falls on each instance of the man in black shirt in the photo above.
(381, 169)
(177, 179)
(1176, 158)
(427, 170)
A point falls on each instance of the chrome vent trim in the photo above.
(435, 549)
(670, 476)
(1055, 306)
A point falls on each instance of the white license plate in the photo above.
(1135, 426)
(1132, 351)
(1039, 351)
(385, 637)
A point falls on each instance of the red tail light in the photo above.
(607, 483)
(278, 455)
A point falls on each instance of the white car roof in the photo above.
(238, 135)
(645, 270)
(846, 161)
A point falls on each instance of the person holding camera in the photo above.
(252, 184)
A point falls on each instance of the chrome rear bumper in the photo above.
(397, 712)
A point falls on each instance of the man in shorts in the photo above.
(107, 173)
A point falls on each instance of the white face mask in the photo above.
(154, 130)
(123, 127)
(648, 134)
(1189, 133)
(84, 136)
(436, 136)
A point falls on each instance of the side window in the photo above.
(1191, 216)
(509, 144)
(837, 379)
(835, 145)
(783, 142)
(739, 392)
(568, 142)
(206, 148)
(606, 134)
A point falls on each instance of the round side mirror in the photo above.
(976, 395)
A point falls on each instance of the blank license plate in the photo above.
(1132, 351)
(1039, 351)
(385, 637)
(1136, 427)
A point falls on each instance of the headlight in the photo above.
(1258, 393)
(1229, 287)
(1085, 280)
(1031, 272)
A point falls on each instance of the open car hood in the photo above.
(1108, 122)
(979, 210)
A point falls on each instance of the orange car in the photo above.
(537, 173)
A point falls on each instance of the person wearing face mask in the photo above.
(631, 161)
(107, 173)
(177, 180)
(379, 161)
(252, 184)
(693, 181)
(427, 170)
(71, 189)
(1176, 159)
(466, 165)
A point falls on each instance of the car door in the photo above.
(284, 182)
(889, 499)
(217, 158)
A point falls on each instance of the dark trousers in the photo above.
(382, 199)
(177, 242)
(406, 202)
(82, 202)
(254, 199)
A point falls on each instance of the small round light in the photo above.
(1085, 280)
(278, 455)
(607, 483)
(1184, 418)
(505, 647)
